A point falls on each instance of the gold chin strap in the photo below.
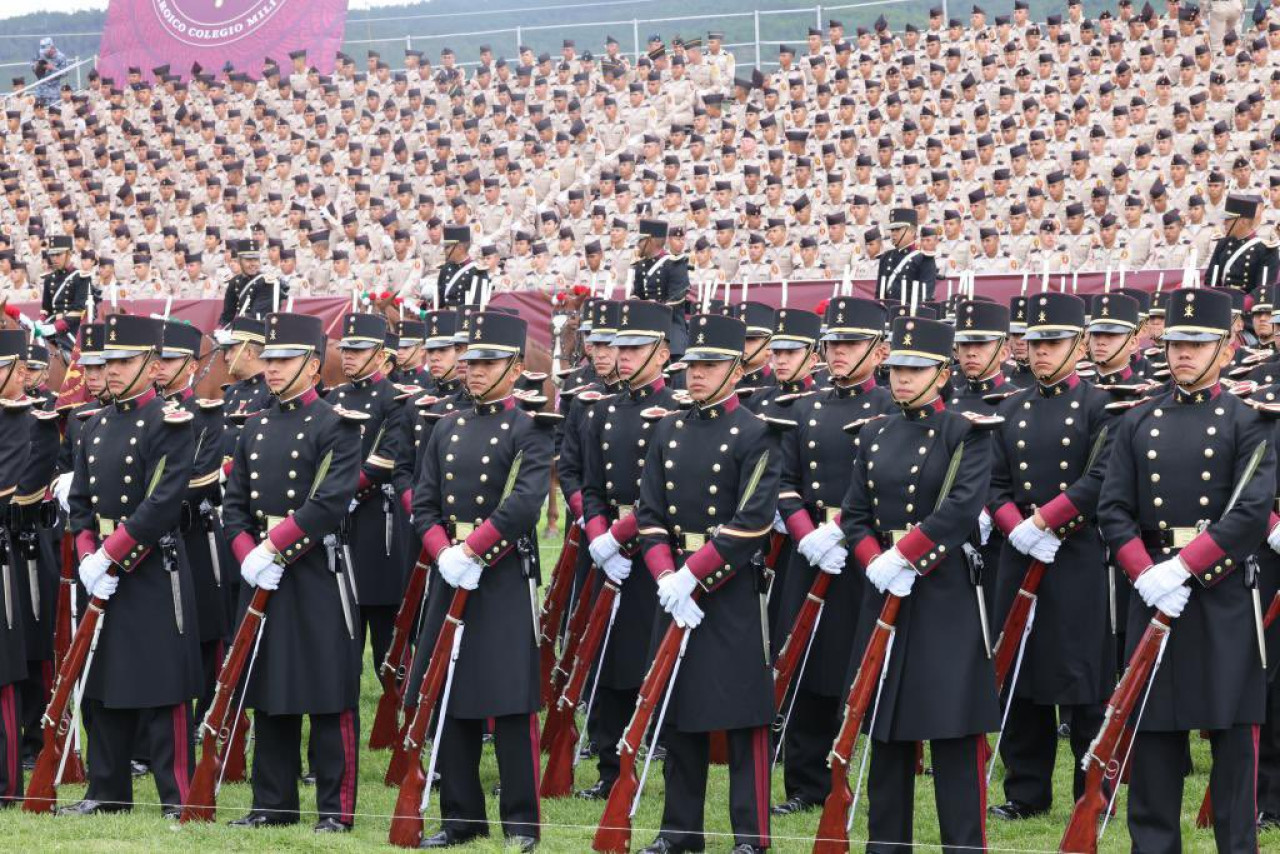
(1071, 351)
(1123, 344)
(802, 371)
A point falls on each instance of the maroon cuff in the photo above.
(289, 539)
(1007, 517)
(597, 526)
(659, 561)
(226, 467)
(487, 542)
(800, 524)
(1061, 516)
(1203, 557)
(363, 483)
(86, 544)
(705, 562)
(575, 504)
(626, 529)
(60, 325)
(242, 545)
(1133, 558)
(920, 551)
(406, 500)
(120, 546)
(435, 540)
(867, 550)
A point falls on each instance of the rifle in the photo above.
(62, 632)
(393, 671)
(561, 730)
(553, 606)
(574, 631)
(798, 643)
(1011, 645)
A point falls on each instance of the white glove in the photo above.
(675, 586)
(604, 547)
(984, 526)
(1174, 601)
(883, 569)
(819, 541)
(900, 585)
(453, 565)
(254, 563)
(687, 614)
(1025, 535)
(1273, 539)
(471, 576)
(1046, 548)
(833, 561)
(778, 524)
(1160, 580)
(62, 491)
(617, 567)
(94, 567)
(269, 576)
(105, 587)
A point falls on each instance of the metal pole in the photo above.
(945, 14)
(756, 22)
(818, 12)
(635, 38)
(519, 40)
(79, 85)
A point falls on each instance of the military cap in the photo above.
(290, 335)
(757, 316)
(410, 333)
(920, 342)
(247, 250)
(981, 320)
(363, 331)
(13, 345)
(641, 322)
(457, 234)
(1052, 315)
(604, 321)
(1264, 299)
(903, 218)
(130, 335)
(1242, 205)
(494, 335)
(91, 344)
(795, 329)
(1197, 315)
(653, 228)
(59, 243)
(441, 329)
(37, 355)
(715, 338)
(1114, 313)
(244, 328)
(1141, 297)
(853, 319)
(1237, 298)
(180, 339)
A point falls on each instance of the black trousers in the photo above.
(685, 774)
(113, 733)
(34, 696)
(515, 741)
(1155, 794)
(377, 622)
(959, 792)
(610, 712)
(277, 760)
(1029, 749)
(10, 752)
(1269, 754)
(810, 731)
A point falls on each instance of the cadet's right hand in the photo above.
(617, 567)
(105, 587)
(687, 614)
(815, 544)
(833, 561)
(604, 547)
(93, 568)
(984, 526)
(453, 565)
(885, 568)
(1174, 601)
(255, 562)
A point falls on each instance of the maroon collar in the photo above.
(137, 402)
(922, 412)
(1062, 386)
(1183, 396)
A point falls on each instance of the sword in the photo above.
(169, 552)
(1251, 581)
(331, 546)
(1111, 593)
(975, 576)
(206, 513)
(351, 570)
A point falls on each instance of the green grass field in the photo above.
(569, 823)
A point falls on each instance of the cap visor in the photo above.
(347, 344)
(1185, 335)
(1049, 334)
(976, 337)
(600, 338)
(92, 359)
(113, 355)
(902, 360)
(475, 353)
(284, 352)
(846, 336)
(1113, 328)
(706, 356)
(785, 344)
(633, 340)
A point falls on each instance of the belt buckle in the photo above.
(693, 542)
(829, 514)
(625, 509)
(1180, 538)
(106, 527)
(462, 530)
(895, 536)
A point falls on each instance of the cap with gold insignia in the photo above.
(363, 331)
(795, 329)
(494, 335)
(715, 338)
(13, 345)
(920, 342)
(978, 321)
(442, 329)
(605, 314)
(641, 322)
(410, 333)
(91, 344)
(854, 319)
(290, 335)
(457, 234)
(130, 335)
(181, 339)
(37, 355)
(1017, 315)
(1113, 313)
(1052, 315)
(1197, 315)
(757, 316)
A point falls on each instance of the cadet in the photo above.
(131, 472)
(905, 521)
(1113, 339)
(444, 393)
(1241, 258)
(901, 267)
(252, 293)
(461, 280)
(982, 333)
(241, 342)
(1050, 456)
(480, 488)
(411, 356)
(707, 499)
(294, 474)
(614, 451)
(1018, 369)
(757, 374)
(1175, 462)
(815, 457)
(661, 277)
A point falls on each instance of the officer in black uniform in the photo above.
(661, 277)
(292, 479)
(815, 457)
(905, 264)
(615, 446)
(461, 280)
(907, 531)
(1241, 258)
(707, 499)
(480, 488)
(1175, 462)
(64, 293)
(132, 470)
(15, 426)
(1018, 368)
(252, 293)
(1050, 458)
(758, 378)
(371, 538)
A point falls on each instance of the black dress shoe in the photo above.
(446, 839)
(662, 845)
(598, 792)
(29, 762)
(171, 813)
(261, 819)
(87, 807)
(792, 805)
(1268, 821)
(659, 753)
(329, 824)
(523, 844)
(1064, 730)
(139, 769)
(1015, 811)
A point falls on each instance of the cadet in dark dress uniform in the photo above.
(461, 280)
(982, 332)
(940, 685)
(241, 344)
(371, 535)
(15, 426)
(614, 450)
(1112, 342)
(904, 264)
(1050, 457)
(292, 479)
(707, 500)
(758, 379)
(1018, 370)
(252, 293)
(64, 293)
(816, 459)
(443, 393)
(661, 277)
(1175, 461)
(1241, 257)
(411, 356)
(132, 469)
(1269, 733)
(480, 488)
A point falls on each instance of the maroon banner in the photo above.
(151, 33)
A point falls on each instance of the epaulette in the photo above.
(1242, 371)
(778, 425)
(86, 414)
(530, 399)
(983, 422)
(565, 373)
(1163, 373)
(534, 376)
(997, 396)
(177, 415)
(676, 366)
(655, 413)
(1153, 351)
(1266, 410)
(1240, 389)
(853, 427)
(427, 400)
(682, 398)
(745, 391)
(787, 399)
(592, 396)
(45, 415)
(209, 403)
(577, 390)
(1128, 388)
(18, 403)
(407, 389)
(547, 419)
(1123, 405)
(403, 396)
(1086, 373)
(351, 414)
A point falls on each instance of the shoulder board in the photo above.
(529, 399)
(1255, 356)
(591, 396)
(209, 403)
(745, 391)
(983, 422)
(565, 373)
(682, 398)
(676, 366)
(1127, 388)
(45, 415)
(996, 397)
(427, 400)
(86, 414)
(1153, 351)
(1266, 410)
(547, 419)
(1241, 389)
(1123, 405)
(853, 427)
(1243, 371)
(578, 390)
(403, 396)
(1163, 373)
(534, 376)
(407, 388)
(351, 414)
(792, 398)
(778, 425)
(655, 413)
(21, 403)
(1086, 373)
(177, 416)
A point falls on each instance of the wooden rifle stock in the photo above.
(1100, 763)
(833, 835)
(561, 729)
(73, 768)
(774, 553)
(573, 632)
(806, 622)
(553, 605)
(42, 791)
(393, 670)
(1006, 648)
(234, 754)
(202, 796)
(613, 835)
(406, 821)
